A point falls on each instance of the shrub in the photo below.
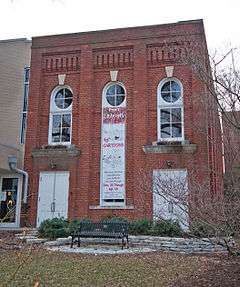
(140, 227)
(54, 228)
(166, 228)
(114, 219)
(75, 223)
(201, 229)
(60, 227)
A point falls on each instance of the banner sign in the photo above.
(113, 153)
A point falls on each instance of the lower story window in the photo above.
(171, 123)
(8, 200)
(61, 128)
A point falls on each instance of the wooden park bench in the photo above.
(117, 230)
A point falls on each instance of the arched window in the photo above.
(115, 95)
(60, 120)
(170, 110)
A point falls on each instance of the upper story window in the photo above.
(115, 95)
(60, 120)
(170, 110)
(25, 105)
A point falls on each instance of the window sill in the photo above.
(56, 150)
(111, 207)
(170, 147)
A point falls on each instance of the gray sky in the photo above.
(27, 18)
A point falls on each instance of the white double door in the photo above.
(52, 195)
(170, 195)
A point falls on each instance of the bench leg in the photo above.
(72, 242)
(127, 241)
(122, 242)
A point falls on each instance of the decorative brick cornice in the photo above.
(61, 62)
(117, 57)
(167, 52)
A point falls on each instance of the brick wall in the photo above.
(140, 55)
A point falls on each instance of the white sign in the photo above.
(113, 153)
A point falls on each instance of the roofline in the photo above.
(200, 21)
(15, 40)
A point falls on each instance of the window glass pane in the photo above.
(176, 115)
(111, 100)
(67, 102)
(56, 121)
(8, 199)
(165, 131)
(120, 90)
(119, 100)
(111, 90)
(63, 98)
(25, 97)
(165, 116)
(66, 120)
(177, 130)
(175, 96)
(166, 87)
(56, 136)
(26, 74)
(23, 128)
(59, 99)
(175, 86)
(65, 135)
(67, 93)
(166, 96)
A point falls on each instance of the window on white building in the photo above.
(170, 110)
(60, 120)
(25, 105)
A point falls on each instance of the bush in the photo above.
(60, 227)
(166, 228)
(201, 229)
(140, 227)
(75, 223)
(114, 219)
(54, 228)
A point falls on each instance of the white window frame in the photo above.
(54, 110)
(23, 127)
(162, 104)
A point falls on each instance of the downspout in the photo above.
(25, 188)
(12, 162)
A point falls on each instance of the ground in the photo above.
(28, 266)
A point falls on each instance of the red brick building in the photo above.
(106, 107)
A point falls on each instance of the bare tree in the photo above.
(192, 204)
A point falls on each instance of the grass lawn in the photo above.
(26, 267)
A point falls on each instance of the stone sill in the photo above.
(56, 151)
(170, 147)
(111, 207)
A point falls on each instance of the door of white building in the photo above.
(170, 195)
(52, 195)
(10, 200)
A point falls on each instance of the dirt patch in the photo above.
(8, 241)
(215, 271)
